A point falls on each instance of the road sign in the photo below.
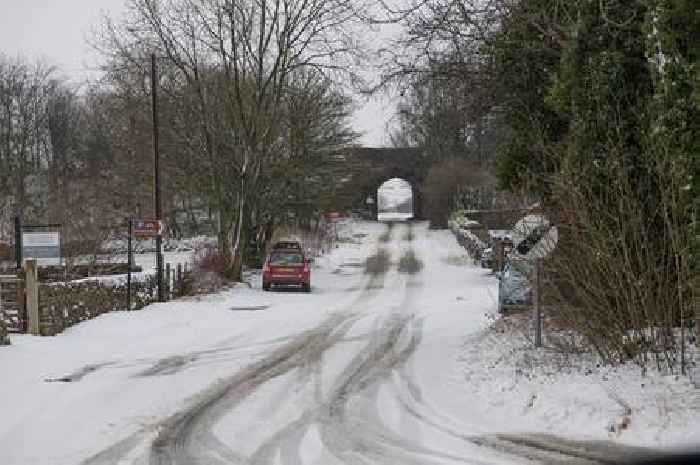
(534, 237)
(148, 228)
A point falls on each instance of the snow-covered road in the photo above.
(364, 370)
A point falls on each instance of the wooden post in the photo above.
(21, 303)
(32, 290)
(4, 340)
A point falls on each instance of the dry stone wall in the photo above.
(62, 305)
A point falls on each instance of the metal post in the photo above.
(130, 261)
(537, 290)
(156, 169)
(18, 241)
(167, 282)
(683, 364)
(178, 289)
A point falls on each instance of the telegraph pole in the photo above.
(156, 169)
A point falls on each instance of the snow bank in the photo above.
(538, 390)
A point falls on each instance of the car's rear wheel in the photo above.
(306, 287)
(266, 286)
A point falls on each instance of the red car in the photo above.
(287, 267)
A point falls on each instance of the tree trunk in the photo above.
(238, 251)
(224, 235)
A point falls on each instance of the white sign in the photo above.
(534, 237)
(41, 239)
(44, 246)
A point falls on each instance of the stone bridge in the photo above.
(371, 167)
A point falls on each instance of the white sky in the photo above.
(56, 30)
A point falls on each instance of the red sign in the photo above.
(148, 228)
(333, 216)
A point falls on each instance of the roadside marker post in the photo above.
(536, 298)
(168, 287)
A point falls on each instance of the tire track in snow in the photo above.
(350, 426)
(352, 429)
(186, 437)
(347, 419)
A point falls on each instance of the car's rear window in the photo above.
(287, 245)
(286, 258)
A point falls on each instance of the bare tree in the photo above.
(233, 61)
(23, 150)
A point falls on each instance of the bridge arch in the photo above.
(395, 200)
(374, 166)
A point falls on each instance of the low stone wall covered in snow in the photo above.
(62, 305)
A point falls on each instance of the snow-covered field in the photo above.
(147, 262)
(385, 367)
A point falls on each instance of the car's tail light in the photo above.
(306, 267)
(266, 268)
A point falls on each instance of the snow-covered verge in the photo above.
(541, 390)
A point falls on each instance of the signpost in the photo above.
(147, 228)
(534, 238)
(537, 301)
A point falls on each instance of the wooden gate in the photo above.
(12, 308)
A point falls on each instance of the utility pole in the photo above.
(156, 169)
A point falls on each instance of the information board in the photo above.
(44, 246)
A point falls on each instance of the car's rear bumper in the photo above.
(286, 279)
